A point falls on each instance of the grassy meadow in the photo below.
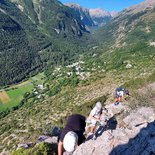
(13, 95)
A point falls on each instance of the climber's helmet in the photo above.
(70, 141)
(98, 106)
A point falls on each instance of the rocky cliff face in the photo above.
(101, 17)
(134, 134)
(126, 132)
(82, 14)
(51, 15)
(92, 17)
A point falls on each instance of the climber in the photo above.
(119, 95)
(94, 118)
(72, 135)
(104, 116)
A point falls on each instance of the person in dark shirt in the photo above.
(72, 135)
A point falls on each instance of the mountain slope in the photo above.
(51, 15)
(18, 48)
(127, 42)
(136, 22)
(82, 14)
(28, 27)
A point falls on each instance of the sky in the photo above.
(109, 5)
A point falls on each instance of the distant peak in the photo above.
(76, 6)
(113, 13)
(72, 4)
(98, 12)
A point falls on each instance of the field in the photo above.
(4, 98)
(12, 96)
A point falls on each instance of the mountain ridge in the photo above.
(124, 25)
(99, 12)
(92, 17)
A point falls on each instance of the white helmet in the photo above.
(70, 141)
(99, 105)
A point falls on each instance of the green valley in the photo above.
(30, 38)
(52, 67)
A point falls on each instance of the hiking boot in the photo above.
(116, 103)
(94, 137)
(90, 135)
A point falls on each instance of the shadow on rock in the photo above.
(142, 144)
(111, 124)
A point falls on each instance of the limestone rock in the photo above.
(116, 109)
(5, 153)
(128, 66)
(48, 139)
(136, 138)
